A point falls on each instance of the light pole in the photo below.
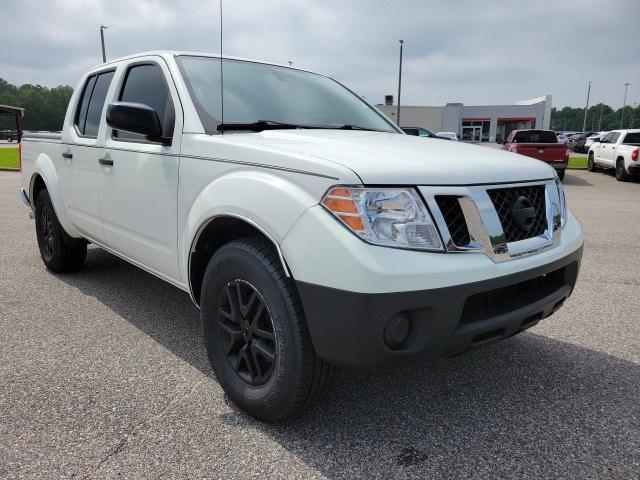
(624, 103)
(104, 54)
(399, 84)
(600, 121)
(584, 123)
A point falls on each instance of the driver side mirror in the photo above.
(504, 142)
(136, 118)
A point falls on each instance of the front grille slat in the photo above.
(454, 218)
(504, 200)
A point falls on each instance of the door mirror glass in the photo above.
(136, 118)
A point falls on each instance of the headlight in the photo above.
(562, 202)
(393, 217)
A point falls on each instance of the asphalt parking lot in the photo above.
(103, 374)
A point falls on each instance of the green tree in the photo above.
(44, 107)
(599, 117)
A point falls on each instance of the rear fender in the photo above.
(44, 167)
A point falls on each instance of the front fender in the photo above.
(44, 166)
(271, 202)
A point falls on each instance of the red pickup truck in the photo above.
(540, 144)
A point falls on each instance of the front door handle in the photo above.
(67, 155)
(106, 161)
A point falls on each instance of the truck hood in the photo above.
(389, 158)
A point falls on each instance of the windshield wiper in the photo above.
(355, 127)
(260, 125)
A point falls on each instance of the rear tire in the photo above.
(256, 334)
(591, 163)
(60, 253)
(621, 173)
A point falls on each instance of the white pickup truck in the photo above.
(618, 149)
(307, 227)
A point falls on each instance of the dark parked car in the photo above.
(422, 132)
(9, 135)
(576, 142)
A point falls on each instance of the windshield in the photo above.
(256, 92)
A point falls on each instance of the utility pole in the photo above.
(584, 123)
(399, 84)
(290, 62)
(600, 121)
(104, 54)
(624, 103)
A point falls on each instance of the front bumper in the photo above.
(349, 327)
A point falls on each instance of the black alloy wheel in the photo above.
(591, 164)
(621, 174)
(59, 252)
(47, 233)
(250, 345)
(256, 334)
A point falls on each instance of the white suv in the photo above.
(308, 228)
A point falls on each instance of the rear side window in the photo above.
(632, 138)
(614, 137)
(89, 112)
(535, 136)
(146, 84)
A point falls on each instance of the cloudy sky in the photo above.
(476, 52)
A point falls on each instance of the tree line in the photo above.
(600, 117)
(45, 109)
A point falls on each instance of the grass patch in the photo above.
(577, 162)
(9, 158)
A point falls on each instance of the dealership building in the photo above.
(485, 123)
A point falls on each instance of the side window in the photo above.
(146, 84)
(81, 112)
(606, 138)
(614, 137)
(96, 103)
(87, 118)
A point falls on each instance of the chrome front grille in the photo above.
(454, 218)
(505, 199)
(501, 221)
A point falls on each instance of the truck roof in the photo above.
(175, 53)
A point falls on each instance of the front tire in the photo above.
(591, 163)
(561, 174)
(60, 253)
(621, 173)
(256, 334)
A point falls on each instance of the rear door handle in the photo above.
(105, 161)
(68, 155)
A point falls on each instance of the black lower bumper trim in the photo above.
(348, 327)
(634, 169)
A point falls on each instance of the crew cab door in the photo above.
(607, 150)
(138, 180)
(80, 150)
